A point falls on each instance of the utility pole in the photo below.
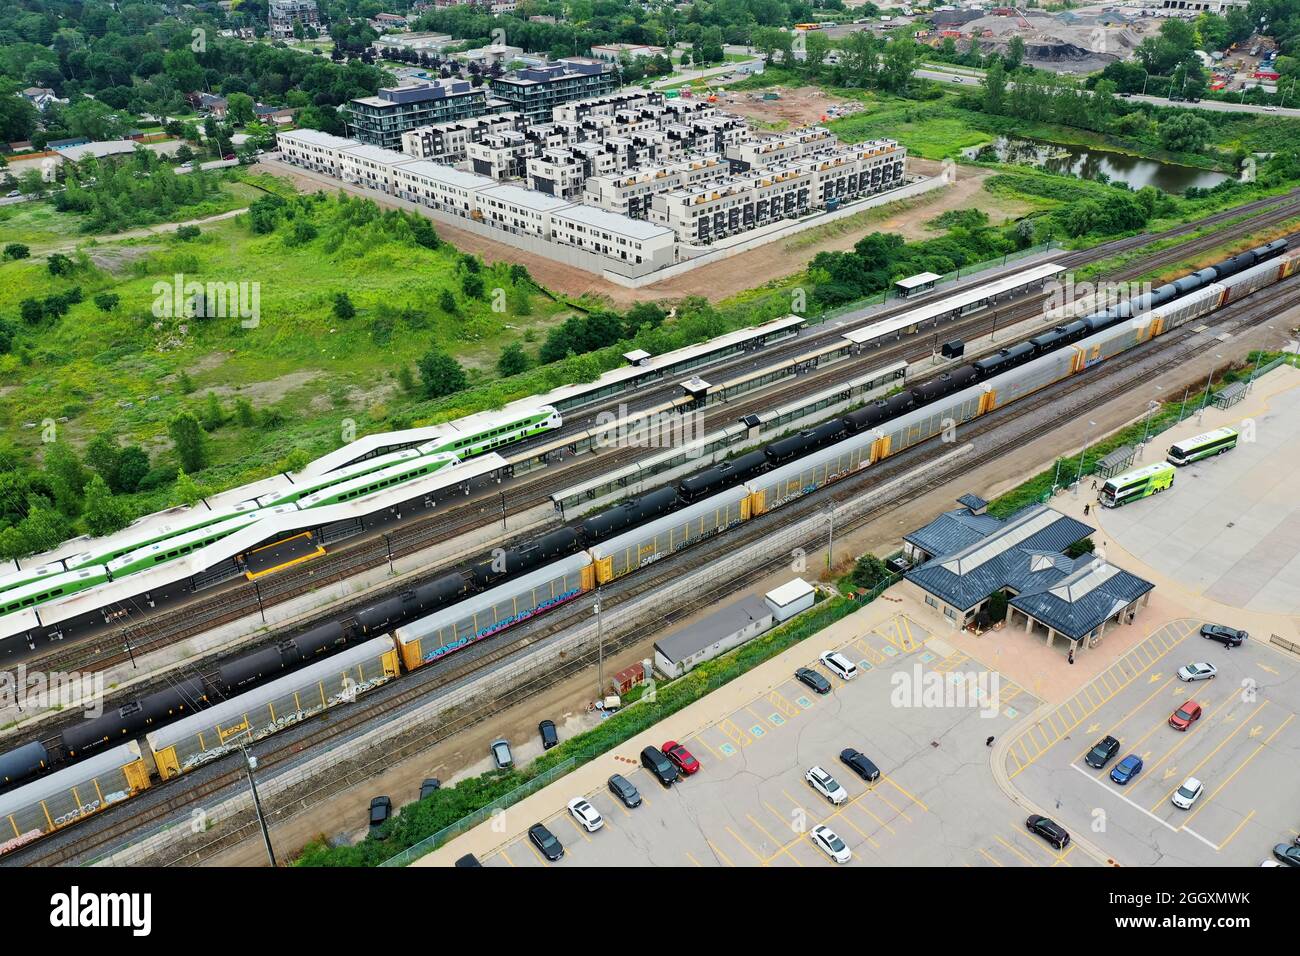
(1183, 407)
(1146, 428)
(1209, 379)
(600, 652)
(830, 540)
(1259, 354)
(1087, 441)
(250, 765)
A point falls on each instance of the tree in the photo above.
(447, 302)
(66, 476)
(186, 491)
(239, 108)
(104, 514)
(441, 374)
(16, 250)
(106, 301)
(59, 264)
(472, 285)
(1185, 133)
(995, 88)
(190, 442)
(997, 606)
(132, 466)
(901, 56)
(1015, 57)
(868, 572)
(512, 360)
(102, 457)
(343, 307)
(244, 413)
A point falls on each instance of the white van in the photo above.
(839, 664)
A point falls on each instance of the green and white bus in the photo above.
(1136, 484)
(1202, 446)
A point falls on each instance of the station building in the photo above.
(967, 556)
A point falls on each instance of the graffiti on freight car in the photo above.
(501, 625)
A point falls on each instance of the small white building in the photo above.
(724, 629)
(790, 599)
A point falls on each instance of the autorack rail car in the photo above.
(490, 612)
(202, 737)
(66, 796)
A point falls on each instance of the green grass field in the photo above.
(116, 373)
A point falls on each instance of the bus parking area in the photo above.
(935, 801)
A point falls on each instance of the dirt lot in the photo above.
(799, 106)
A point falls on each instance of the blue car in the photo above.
(1127, 769)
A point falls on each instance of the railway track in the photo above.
(147, 632)
(983, 433)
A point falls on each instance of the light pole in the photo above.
(250, 764)
(1259, 355)
(600, 651)
(1146, 428)
(1183, 407)
(830, 540)
(1209, 379)
(1086, 442)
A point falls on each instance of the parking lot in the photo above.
(935, 802)
(1244, 749)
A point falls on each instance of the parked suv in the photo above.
(1227, 636)
(660, 767)
(837, 663)
(1102, 753)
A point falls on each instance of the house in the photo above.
(41, 97)
(1049, 593)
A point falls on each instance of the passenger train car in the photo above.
(337, 660)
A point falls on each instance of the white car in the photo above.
(826, 785)
(1201, 670)
(588, 817)
(1188, 793)
(1270, 109)
(829, 842)
(837, 663)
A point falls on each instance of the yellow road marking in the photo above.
(718, 852)
(1028, 861)
(1222, 744)
(890, 781)
(735, 836)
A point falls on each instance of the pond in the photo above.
(1085, 163)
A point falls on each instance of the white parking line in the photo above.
(1168, 826)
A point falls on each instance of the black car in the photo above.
(549, 737)
(813, 680)
(1049, 830)
(546, 842)
(430, 786)
(1102, 754)
(1287, 854)
(469, 859)
(622, 788)
(1227, 636)
(859, 763)
(381, 808)
(660, 767)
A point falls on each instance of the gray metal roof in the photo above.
(721, 624)
(952, 531)
(972, 501)
(1084, 598)
(1023, 554)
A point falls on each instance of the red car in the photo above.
(681, 758)
(1185, 715)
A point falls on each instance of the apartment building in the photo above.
(312, 149)
(448, 142)
(518, 210)
(607, 234)
(563, 172)
(631, 194)
(370, 166)
(501, 156)
(381, 120)
(609, 105)
(792, 147)
(704, 214)
(444, 188)
(536, 91)
(284, 15)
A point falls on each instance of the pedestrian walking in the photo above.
(1071, 655)
(989, 742)
(1085, 510)
(1094, 484)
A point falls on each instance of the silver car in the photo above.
(1201, 670)
(501, 754)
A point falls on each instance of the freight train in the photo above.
(433, 619)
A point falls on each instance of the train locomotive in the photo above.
(437, 617)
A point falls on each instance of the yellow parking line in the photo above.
(780, 847)
(1240, 727)
(1028, 861)
(793, 800)
(1205, 719)
(1242, 766)
(506, 856)
(540, 859)
(844, 818)
(1228, 839)
(1060, 859)
(991, 858)
(581, 830)
(697, 739)
(718, 852)
(691, 858)
(752, 852)
(781, 703)
(855, 802)
(785, 821)
(1116, 725)
(891, 806)
(890, 781)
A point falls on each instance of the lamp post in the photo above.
(1087, 441)
(250, 764)
(1259, 355)
(600, 651)
(1146, 428)
(830, 540)
(1209, 379)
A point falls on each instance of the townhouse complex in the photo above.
(633, 180)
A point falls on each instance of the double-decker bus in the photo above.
(1136, 484)
(1202, 446)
